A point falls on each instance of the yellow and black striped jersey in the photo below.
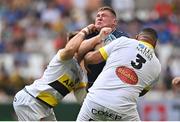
(59, 79)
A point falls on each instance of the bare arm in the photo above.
(72, 46)
(91, 43)
(88, 45)
(93, 57)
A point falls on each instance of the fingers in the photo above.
(92, 28)
(89, 29)
(105, 32)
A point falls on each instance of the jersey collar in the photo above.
(147, 44)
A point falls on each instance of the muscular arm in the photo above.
(90, 44)
(93, 57)
(72, 46)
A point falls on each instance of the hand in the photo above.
(89, 29)
(176, 82)
(105, 32)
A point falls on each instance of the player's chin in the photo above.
(98, 27)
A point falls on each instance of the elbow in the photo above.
(68, 53)
(90, 59)
(93, 57)
(70, 49)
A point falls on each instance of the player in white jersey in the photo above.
(131, 67)
(63, 75)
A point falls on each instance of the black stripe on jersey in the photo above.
(44, 102)
(59, 87)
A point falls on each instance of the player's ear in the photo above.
(115, 22)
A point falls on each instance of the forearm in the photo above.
(88, 45)
(75, 42)
(72, 46)
(93, 57)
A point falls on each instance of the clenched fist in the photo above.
(89, 29)
(105, 32)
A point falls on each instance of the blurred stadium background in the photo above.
(31, 31)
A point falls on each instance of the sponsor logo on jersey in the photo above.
(127, 75)
(145, 51)
(106, 114)
(67, 82)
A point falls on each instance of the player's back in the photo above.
(96, 69)
(131, 66)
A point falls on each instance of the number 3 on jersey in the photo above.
(139, 62)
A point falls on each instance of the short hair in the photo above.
(150, 32)
(108, 8)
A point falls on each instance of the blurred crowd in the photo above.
(31, 31)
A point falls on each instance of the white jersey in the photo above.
(131, 66)
(60, 78)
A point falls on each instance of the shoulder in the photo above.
(124, 39)
(118, 33)
(120, 43)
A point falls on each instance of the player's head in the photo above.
(149, 35)
(106, 17)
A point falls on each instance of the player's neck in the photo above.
(147, 40)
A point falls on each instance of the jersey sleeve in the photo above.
(158, 68)
(148, 87)
(58, 55)
(83, 82)
(107, 50)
